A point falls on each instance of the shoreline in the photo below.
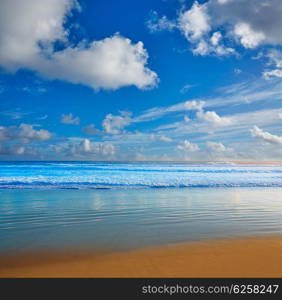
(240, 257)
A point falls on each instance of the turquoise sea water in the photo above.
(117, 206)
(80, 175)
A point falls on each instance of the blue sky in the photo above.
(141, 80)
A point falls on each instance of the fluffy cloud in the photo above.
(266, 136)
(28, 25)
(29, 30)
(275, 59)
(188, 146)
(98, 150)
(216, 147)
(213, 117)
(210, 26)
(25, 133)
(110, 64)
(254, 22)
(195, 25)
(193, 105)
(13, 139)
(247, 36)
(70, 119)
(114, 124)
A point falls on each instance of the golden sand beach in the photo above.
(248, 257)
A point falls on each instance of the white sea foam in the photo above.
(93, 175)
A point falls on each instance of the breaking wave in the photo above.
(84, 175)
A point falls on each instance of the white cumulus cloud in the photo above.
(25, 133)
(114, 124)
(213, 26)
(248, 37)
(188, 146)
(29, 30)
(216, 147)
(275, 59)
(213, 117)
(194, 23)
(111, 63)
(98, 150)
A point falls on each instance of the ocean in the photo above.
(130, 205)
(88, 175)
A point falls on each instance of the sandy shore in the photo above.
(252, 257)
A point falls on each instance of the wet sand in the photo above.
(248, 257)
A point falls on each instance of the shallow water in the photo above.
(128, 218)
